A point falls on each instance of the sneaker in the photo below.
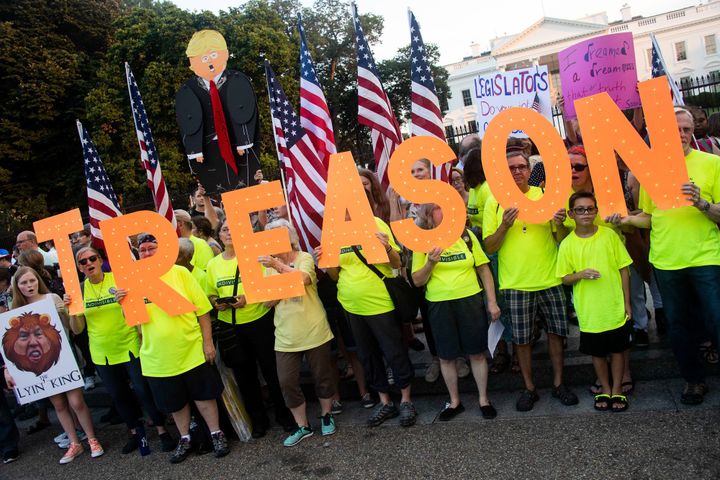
(337, 407)
(526, 401)
(89, 382)
(167, 442)
(66, 442)
(565, 395)
(694, 394)
(61, 438)
(131, 445)
(298, 436)
(641, 339)
(74, 450)
(367, 401)
(433, 371)
(448, 412)
(96, 449)
(381, 413)
(327, 424)
(463, 370)
(408, 415)
(181, 451)
(220, 444)
(11, 456)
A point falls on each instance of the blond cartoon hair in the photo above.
(204, 41)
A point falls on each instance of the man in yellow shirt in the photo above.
(176, 356)
(685, 254)
(527, 254)
(203, 252)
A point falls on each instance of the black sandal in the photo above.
(709, 353)
(602, 402)
(619, 403)
(500, 363)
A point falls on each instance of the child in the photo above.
(594, 261)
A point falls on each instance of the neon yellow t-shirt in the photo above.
(685, 237)
(203, 253)
(111, 339)
(476, 204)
(301, 322)
(454, 276)
(360, 291)
(220, 281)
(527, 257)
(201, 278)
(600, 303)
(172, 345)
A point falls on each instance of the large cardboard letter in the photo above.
(555, 159)
(142, 277)
(239, 204)
(58, 229)
(426, 191)
(345, 193)
(660, 168)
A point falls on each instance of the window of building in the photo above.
(680, 51)
(467, 99)
(710, 45)
(472, 126)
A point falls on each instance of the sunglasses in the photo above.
(584, 210)
(90, 259)
(579, 167)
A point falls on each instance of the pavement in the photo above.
(657, 438)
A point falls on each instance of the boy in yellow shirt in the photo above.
(594, 261)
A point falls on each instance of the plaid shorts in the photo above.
(524, 306)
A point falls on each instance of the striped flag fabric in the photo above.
(536, 103)
(659, 69)
(102, 201)
(305, 174)
(314, 112)
(374, 110)
(426, 118)
(148, 153)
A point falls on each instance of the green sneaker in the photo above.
(298, 436)
(327, 424)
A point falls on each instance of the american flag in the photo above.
(536, 103)
(148, 152)
(425, 106)
(102, 202)
(305, 174)
(659, 69)
(314, 112)
(374, 110)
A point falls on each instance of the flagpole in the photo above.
(277, 150)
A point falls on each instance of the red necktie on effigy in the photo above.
(221, 128)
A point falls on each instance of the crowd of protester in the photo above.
(577, 267)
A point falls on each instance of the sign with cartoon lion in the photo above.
(37, 352)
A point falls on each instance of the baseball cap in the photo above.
(4, 253)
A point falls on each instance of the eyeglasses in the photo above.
(20, 242)
(90, 259)
(148, 249)
(519, 168)
(457, 181)
(585, 210)
(579, 167)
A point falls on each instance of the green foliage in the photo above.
(65, 60)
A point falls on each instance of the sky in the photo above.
(454, 24)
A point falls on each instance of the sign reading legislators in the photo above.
(528, 88)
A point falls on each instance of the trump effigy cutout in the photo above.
(216, 111)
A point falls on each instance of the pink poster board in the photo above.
(600, 64)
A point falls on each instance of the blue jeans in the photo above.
(691, 300)
(115, 378)
(9, 434)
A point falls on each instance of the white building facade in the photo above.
(689, 39)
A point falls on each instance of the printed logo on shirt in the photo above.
(100, 303)
(227, 283)
(349, 249)
(452, 258)
(472, 211)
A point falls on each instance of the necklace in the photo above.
(96, 293)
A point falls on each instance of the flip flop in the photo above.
(619, 403)
(602, 402)
(624, 387)
(595, 388)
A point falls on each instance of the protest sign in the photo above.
(528, 88)
(37, 353)
(601, 64)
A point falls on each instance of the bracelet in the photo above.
(388, 249)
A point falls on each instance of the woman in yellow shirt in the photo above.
(456, 309)
(302, 329)
(248, 338)
(115, 351)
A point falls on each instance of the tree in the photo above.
(51, 52)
